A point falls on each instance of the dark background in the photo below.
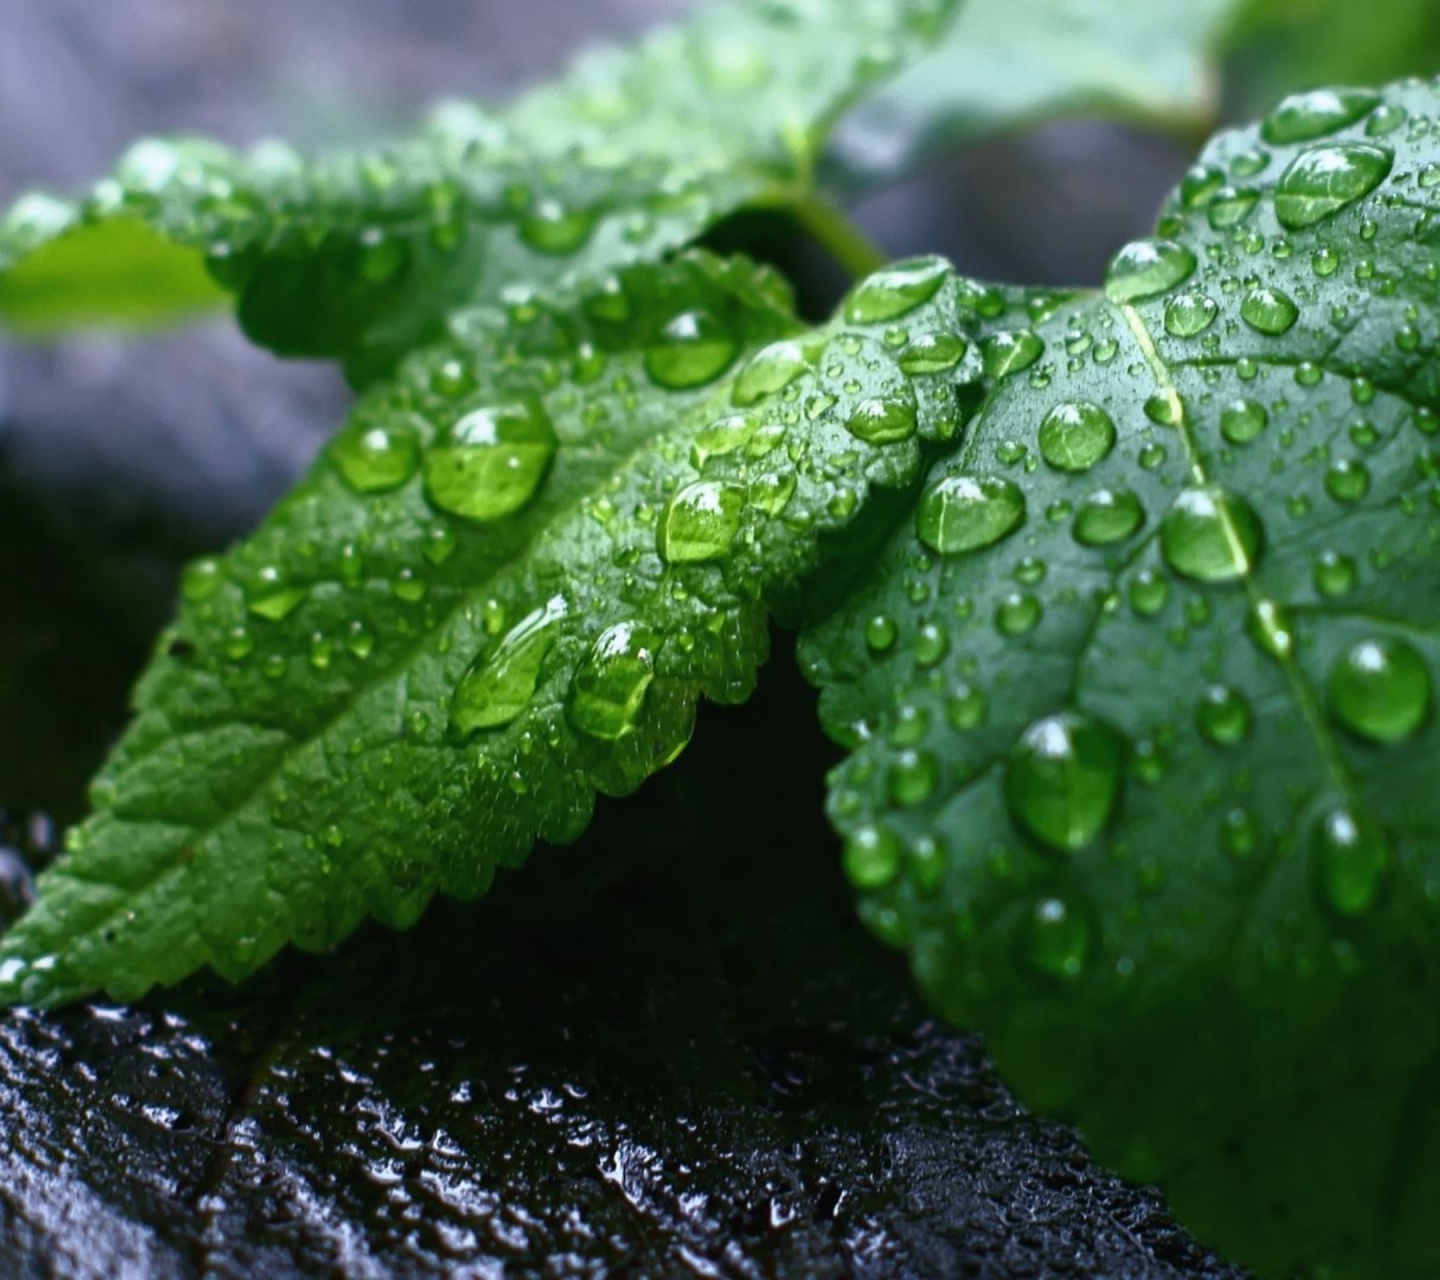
(669, 1051)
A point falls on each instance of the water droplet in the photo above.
(1303, 117)
(271, 597)
(1165, 408)
(1350, 858)
(1148, 593)
(376, 458)
(1223, 715)
(554, 227)
(608, 691)
(1347, 480)
(1108, 516)
(1199, 185)
(1388, 117)
(912, 778)
(772, 491)
(1271, 627)
(933, 353)
(1231, 206)
(1242, 420)
(967, 707)
(967, 513)
(499, 685)
(1211, 535)
(1057, 941)
(1063, 779)
(491, 461)
(872, 857)
(1239, 833)
(1322, 181)
(1334, 573)
(769, 370)
(896, 290)
(884, 419)
(201, 579)
(693, 349)
(700, 522)
(1018, 613)
(1147, 268)
(1189, 314)
(1010, 351)
(1076, 436)
(1249, 163)
(880, 633)
(1380, 689)
(1269, 311)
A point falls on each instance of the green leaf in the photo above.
(502, 589)
(1008, 64)
(361, 254)
(1141, 701)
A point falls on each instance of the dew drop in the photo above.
(1322, 181)
(1189, 314)
(966, 708)
(1303, 117)
(884, 419)
(555, 228)
(1076, 436)
(1063, 779)
(1334, 573)
(1211, 535)
(700, 522)
(498, 686)
(1147, 268)
(1148, 593)
(491, 461)
(271, 597)
(1242, 420)
(1380, 689)
(694, 348)
(1350, 858)
(609, 688)
(968, 513)
(1057, 940)
(769, 370)
(933, 353)
(1231, 206)
(1223, 716)
(1010, 351)
(374, 458)
(1108, 516)
(896, 290)
(872, 857)
(912, 778)
(1347, 480)
(1269, 311)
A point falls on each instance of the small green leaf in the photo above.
(1143, 710)
(361, 254)
(1007, 64)
(502, 589)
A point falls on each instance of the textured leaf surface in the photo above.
(1142, 703)
(503, 588)
(362, 253)
(1006, 64)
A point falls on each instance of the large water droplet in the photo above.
(499, 686)
(1322, 181)
(1189, 314)
(491, 461)
(769, 370)
(1057, 940)
(1269, 311)
(1010, 351)
(884, 419)
(1108, 516)
(1242, 420)
(1147, 268)
(693, 349)
(1303, 117)
(933, 353)
(1063, 779)
(700, 522)
(1350, 860)
(609, 686)
(1380, 689)
(555, 228)
(376, 458)
(967, 513)
(1231, 206)
(1075, 436)
(896, 290)
(872, 857)
(1211, 535)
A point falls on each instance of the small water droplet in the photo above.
(1063, 779)
(1076, 436)
(1148, 593)
(1269, 311)
(1147, 268)
(1324, 180)
(491, 461)
(1211, 535)
(555, 228)
(769, 370)
(967, 707)
(1231, 206)
(1223, 715)
(1018, 613)
(896, 290)
(1303, 117)
(271, 597)
(1057, 941)
(608, 691)
(1347, 480)
(1242, 420)
(912, 778)
(499, 685)
(1334, 573)
(968, 513)
(1380, 689)
(1108, 516)
(933, 353)
(872, 857)
(1350, 859)
(1009, 352)
(376, 458)
(1239, 833)
(884, 419)
(693, 348)
(700, 522)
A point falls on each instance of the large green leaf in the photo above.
(362, 253)
(1141, 701)
(1008, 64)
(503, 588)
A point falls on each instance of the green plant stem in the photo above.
(841, 238)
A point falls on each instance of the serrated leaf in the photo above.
(361, 253)
(1141, 701)
(502, 590)
(1009, 64)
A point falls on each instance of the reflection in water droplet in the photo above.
(1063, 779)
(1324, 180)
(491, 462)
(968, 513)
(1076, 436)
(700, 522)
(1211, 535)
(609, 687)
(499, 685)
(1380, 689)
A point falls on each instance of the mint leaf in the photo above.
(503, 589)
(1141, 700)
(361, 254)
(1008, 64)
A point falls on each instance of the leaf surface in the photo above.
(1141, 701)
